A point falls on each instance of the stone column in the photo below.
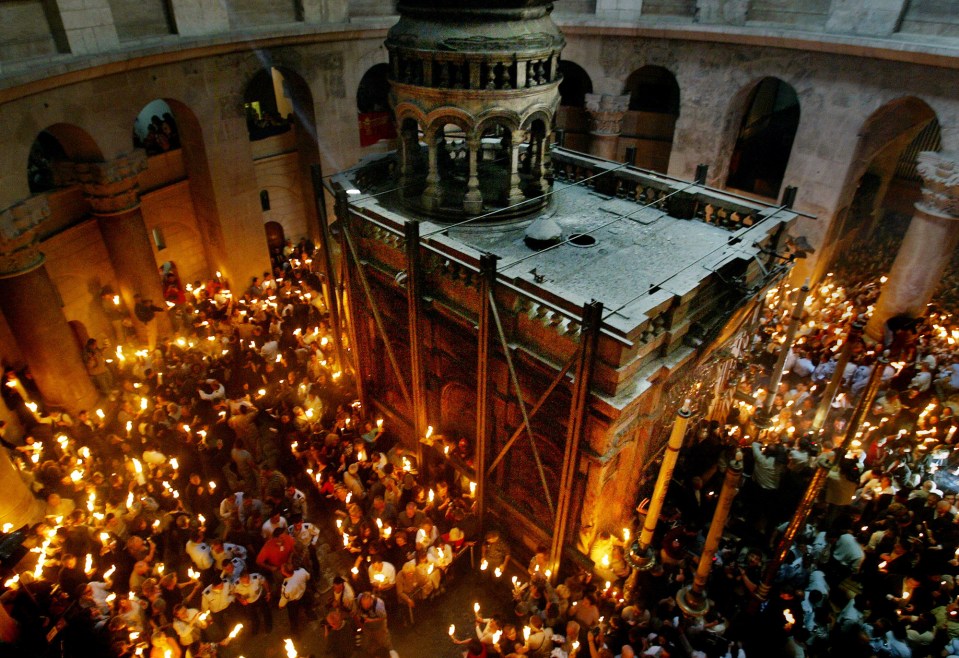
(113, 192)
(514, 194)
(928, 246)
(605, 114)
(473, 201)
(432, 194)
(32, 307)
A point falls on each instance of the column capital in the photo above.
(109, 187)
(940, 183)
(20, 236)
(606, 113)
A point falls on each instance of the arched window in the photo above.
(268, 102)
(650, 123)
(575, 84)
(45, 151)
(155, 129)
(373, 105)
(765, 139)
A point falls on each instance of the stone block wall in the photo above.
(80, 267)
(278, 175)
(24, 31)
(171, 210)
(139, 19)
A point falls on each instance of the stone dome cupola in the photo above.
(474, 90)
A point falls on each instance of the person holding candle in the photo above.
(252, 593)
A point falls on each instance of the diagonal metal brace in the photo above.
(377, 318)
(522, 405)
(536, 407)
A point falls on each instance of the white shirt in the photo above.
(217, 600)
(308, 534)
(388, 573)
(229, 552)
(268, 527)
(200, 554)
(253, 590)
(294, 587)
(188, 631)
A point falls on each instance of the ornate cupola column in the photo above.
(515, 194)
(605, 114)
(928, 246)
(33, 309)
(113, 191)
(432, 194)
(473, 201)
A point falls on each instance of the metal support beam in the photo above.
(414, 299)
(578, 412)
(327, 244)
(352, 315)
(374, 309)
(487, 281)
(557, 380)
(514, 378)
(818, 480)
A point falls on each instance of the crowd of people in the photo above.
(235, 485)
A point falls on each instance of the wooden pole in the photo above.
(855, 332)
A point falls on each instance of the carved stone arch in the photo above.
(540, 112)
(445, 115)
(406, 111)
(757, 158)
(511, 120)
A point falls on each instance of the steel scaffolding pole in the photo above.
(332, 302)
(414, 297)
(578, 412)
(487, 281)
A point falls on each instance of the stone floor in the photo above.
(427, 637)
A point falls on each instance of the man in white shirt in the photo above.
(188, 623)
(306, 536)
(275, 521)
(252, 593)
(382, 574)
(199, 551)
(292, 592)
(216, 600)
(223, 551)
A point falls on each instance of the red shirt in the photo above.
(276, 552)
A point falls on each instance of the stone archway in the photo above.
(882, 176)
(650, 122)
(765, 138)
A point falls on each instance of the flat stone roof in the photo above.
(641, 258)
